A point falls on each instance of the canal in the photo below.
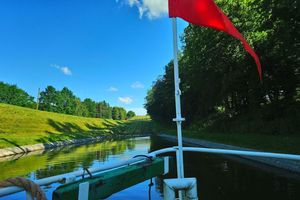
(219, 178)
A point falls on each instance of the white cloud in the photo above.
(137, 85)
(64, 70)
(151, 8)
(125, 100)
(138, 111)
(112, 89)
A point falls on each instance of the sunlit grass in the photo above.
(22, 126)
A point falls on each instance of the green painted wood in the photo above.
(108, 183)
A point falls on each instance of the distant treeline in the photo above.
(63, 101)
(219, 81)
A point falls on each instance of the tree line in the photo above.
(62, 101)
(219, 80)
(11, 94)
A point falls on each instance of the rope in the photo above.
(27, 185)
(88, 171)
(149, 189)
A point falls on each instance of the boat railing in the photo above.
(71, 177)
(228, 152)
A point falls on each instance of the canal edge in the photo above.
(11, 151)
(278, 164)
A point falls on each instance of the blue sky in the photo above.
(101, 49)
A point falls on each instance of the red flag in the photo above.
(207, 13)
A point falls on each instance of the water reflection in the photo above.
(224, 178)
(219, 178)
(43, 164)
(63, 160)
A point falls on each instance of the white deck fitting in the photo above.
(187, 185)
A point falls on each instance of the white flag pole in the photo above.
(178, 119)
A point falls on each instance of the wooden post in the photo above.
(38, 99)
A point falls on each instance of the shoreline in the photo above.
(11, 151)
(277, 165)
(274, 164)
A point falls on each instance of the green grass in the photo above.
(264, 142)
(274, 128)
(22, 126)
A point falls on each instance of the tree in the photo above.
(63, 101)
(118, 113)
(66, 101)
(11, 94)
(91, 107)
(104, 110)
(130, 114)
(115, 113)
(81, 109)
(122, 113)
(216, 72)
(49, 99)
(160, 99)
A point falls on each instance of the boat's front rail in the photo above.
(73, 176)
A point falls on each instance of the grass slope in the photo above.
(22, 126)
(263, 142)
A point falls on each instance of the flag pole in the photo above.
(178, 119)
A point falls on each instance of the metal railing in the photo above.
(228, 152)
(70, 177)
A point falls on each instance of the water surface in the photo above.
(58, 161)
(229, 178)
(219, 178)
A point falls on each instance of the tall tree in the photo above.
(118, 113)
(104, 110)
(11, 94)
(81, 109)
(66, 101)
(49, 99)
(91, 107)
(115, 113)
(217, 74)
(130, 114)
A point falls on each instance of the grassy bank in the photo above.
(267, 141)
(22, 126)
(274, 128)
(264, 142)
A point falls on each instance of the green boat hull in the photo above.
(105, 184)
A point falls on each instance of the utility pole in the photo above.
(38, 99)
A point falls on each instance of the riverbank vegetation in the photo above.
(260, 142)
(22, 126)
(62, 101)
(222, 95)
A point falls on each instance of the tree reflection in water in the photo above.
(63, 160)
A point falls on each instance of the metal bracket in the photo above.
(178, 92)
(178, 119)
